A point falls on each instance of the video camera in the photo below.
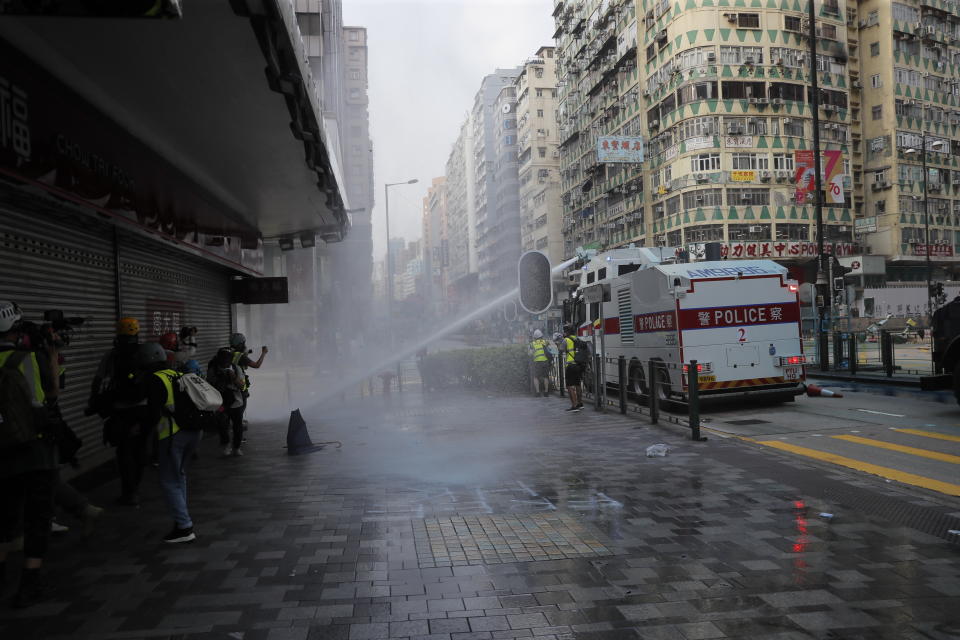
(55, 330)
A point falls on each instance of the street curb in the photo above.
(899, 382)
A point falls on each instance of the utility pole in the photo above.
(823, 287)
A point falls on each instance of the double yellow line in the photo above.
(884, 472)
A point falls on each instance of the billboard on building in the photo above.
(619, 149)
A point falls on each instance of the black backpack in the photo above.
(19, 421)
(581, 353)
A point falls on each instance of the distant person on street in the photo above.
(241, 358)
(921, 334)
(540, 353)
(572, 373)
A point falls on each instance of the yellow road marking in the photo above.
(883, 472)
(923, 453)
(929, 434)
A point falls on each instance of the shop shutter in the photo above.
(183, 289)
(53, 256)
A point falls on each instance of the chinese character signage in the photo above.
(775, 250)
(738, 142)
(936, 250)
(742, 176)
(718, 317)
(651, 322)
(163, 316)
(622, 149)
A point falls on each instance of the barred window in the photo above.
(703, 198)
(704, 233)
(748, 196)
(787, 231)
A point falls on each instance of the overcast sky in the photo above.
(427, 59)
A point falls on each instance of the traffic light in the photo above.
(533, 277)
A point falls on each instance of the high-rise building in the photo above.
(538, 156)
(722, 96)
(461, 218)
(910, 83)
(495, 176)
(435, 246)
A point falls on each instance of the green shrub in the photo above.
(493, 368)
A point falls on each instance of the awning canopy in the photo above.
(224, 94)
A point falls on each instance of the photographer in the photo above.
(238, 345)
(29, 387)
(116, 394)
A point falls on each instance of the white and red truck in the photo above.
(740, 320)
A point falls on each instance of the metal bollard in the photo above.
(562, 388)
(693, 401)
(400, 377)
(653, 398)
(853, 354)
(886, 352)
(622, 376)
(823, 350)
(597, 392)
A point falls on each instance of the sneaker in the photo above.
(580, 406)
(227, 451)
(90, 516)
(56, 527)
(180, 535)
(238, 452)
(572, 409)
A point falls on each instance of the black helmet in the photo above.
(151, 353)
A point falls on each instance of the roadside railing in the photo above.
(862, 353)
(646, 388)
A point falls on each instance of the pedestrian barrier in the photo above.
(649, 387)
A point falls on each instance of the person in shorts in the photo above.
(572, 374)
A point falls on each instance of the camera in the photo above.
(54, 331)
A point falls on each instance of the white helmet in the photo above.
(537, 334)
(10, 315)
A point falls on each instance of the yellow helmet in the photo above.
(128, 327)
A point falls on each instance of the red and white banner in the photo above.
(659, 321)
(717, 317)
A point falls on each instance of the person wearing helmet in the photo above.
(227, 378)
(171, 344)
(540, 354)
(241, 358)
(117, 396)
(176, 446)
(28, 461)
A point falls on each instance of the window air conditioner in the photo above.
(700, 177)
(756, 229)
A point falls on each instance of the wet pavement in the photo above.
(471, 517)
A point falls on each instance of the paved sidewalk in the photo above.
(454, 517)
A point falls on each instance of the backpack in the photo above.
(121, 383)
(19, 420)
(581, 354)
(194, 399)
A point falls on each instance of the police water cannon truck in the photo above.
(740, 320)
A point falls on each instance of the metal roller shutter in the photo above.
(157, 279)
(55, 257)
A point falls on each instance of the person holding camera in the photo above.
(241, 358)
(117, 395)
(29, 387)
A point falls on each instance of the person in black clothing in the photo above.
(28, 469)
(227, 378)
(117, 395)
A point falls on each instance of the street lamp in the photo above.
(386, 202)
(926, 210)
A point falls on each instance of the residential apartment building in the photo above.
(721, 95)
(496, 196)
(910, 61)
(539, 156)
(436, 252)
(461, 217)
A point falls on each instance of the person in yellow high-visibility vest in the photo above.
(176, 446)
(539, 351)
(573, 374)
(28, 457)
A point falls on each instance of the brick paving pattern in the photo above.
(448, 517)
